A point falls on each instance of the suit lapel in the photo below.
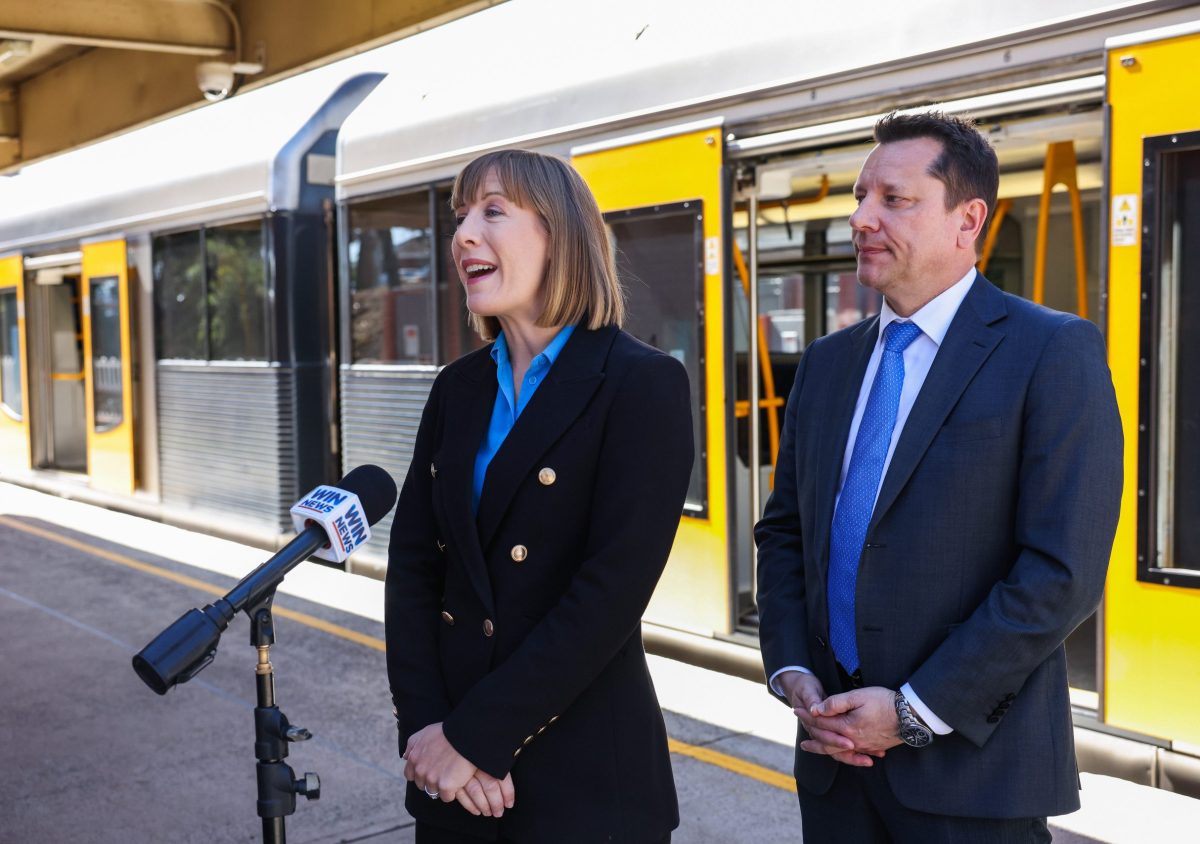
(967, 344)
(835, 432)
(558, 402)
(469, 401)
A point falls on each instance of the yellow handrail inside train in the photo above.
(989, 243)
(769, 399)
(1061, 169)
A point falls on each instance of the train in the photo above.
(205, 317)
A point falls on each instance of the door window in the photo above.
(1169, 446)
(107, 386)
(11, 397)
(660, 261)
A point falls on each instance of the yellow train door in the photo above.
(1153, 599)
(14, 377)
(661, 196)
(108, 367)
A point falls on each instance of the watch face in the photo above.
(914, 735)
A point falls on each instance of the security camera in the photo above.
(216, 79)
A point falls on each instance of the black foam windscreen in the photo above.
(375, 489)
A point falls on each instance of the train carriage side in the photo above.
(1153, 595)
(171, 295)
(14, 379)
(798, 282)
(1097, 216)
(727, 193)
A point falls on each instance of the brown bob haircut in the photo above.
(581, 285)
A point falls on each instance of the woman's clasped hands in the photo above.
(445, 774)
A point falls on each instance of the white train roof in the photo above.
(540, 72)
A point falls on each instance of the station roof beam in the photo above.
(180, 26)
(76, 71)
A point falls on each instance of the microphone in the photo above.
(331, 523)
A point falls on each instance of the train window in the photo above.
(10, 354)
(660, 261)
(107, 390)
(390, 259)
(1169, 448)
(847, 301)
(179, 296)
(456, 337)
(210, 293)
(237, 291)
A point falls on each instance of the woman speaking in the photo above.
(546, 485)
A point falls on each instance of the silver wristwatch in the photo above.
(913, 731)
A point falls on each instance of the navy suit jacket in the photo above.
(988, 545)
(532, 659)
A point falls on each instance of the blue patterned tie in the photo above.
(857, 501)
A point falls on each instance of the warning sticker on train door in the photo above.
(712, 255)
(1125, 219)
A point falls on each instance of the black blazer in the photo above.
(989, 543)
(519, 629)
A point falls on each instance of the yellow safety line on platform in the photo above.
(183, 579)
(732, 763)
(701, 754)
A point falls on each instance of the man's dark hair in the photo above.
(967, 166)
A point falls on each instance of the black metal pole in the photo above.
(262, 636)
(277, 789)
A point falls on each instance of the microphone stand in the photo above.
(185, 647)
(277, 789)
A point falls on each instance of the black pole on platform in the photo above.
(277, 788)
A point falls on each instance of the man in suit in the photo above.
(945, 502)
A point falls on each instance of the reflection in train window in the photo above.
(1175, 464)
(210, 291)
(179, 296)
(406, 301)
(456, 337)
(660, 263)
(237, 286)
(10, 354)
(107, 389)
(390, 259)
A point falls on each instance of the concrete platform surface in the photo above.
(88, 754)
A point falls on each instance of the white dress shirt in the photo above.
(934, 321)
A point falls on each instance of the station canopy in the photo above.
(232, 157)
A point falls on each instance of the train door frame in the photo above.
(111, 456)
(669, 170)
(758, 379)
(14, 429)
(57, 416)
(1018, 120)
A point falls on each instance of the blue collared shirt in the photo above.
(508, 407)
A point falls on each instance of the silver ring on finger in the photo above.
(432, 794)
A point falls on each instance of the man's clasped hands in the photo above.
(854, 728)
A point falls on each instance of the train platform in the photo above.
(90, 754)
